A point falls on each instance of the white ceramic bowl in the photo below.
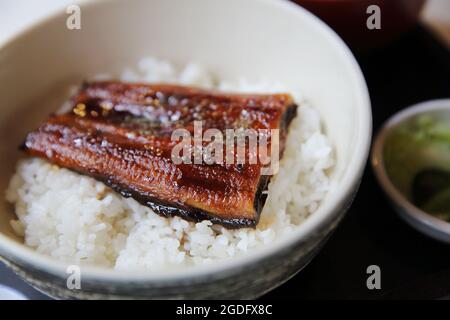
(431, 226)
(254, 38)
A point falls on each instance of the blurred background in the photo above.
(405, 62)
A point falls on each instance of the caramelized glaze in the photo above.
(120, 133)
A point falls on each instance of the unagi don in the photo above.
(120, 133)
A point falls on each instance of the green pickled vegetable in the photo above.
(417, 160)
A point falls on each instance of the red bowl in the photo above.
(349, 19)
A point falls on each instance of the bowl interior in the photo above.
(253, 39)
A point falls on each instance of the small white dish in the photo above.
(420, 220)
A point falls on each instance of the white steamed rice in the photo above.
(77, 219)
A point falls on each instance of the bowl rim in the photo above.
(417, 215)
(350, 178)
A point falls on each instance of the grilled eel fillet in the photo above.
(120, 133)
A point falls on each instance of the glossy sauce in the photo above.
(120, 134)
